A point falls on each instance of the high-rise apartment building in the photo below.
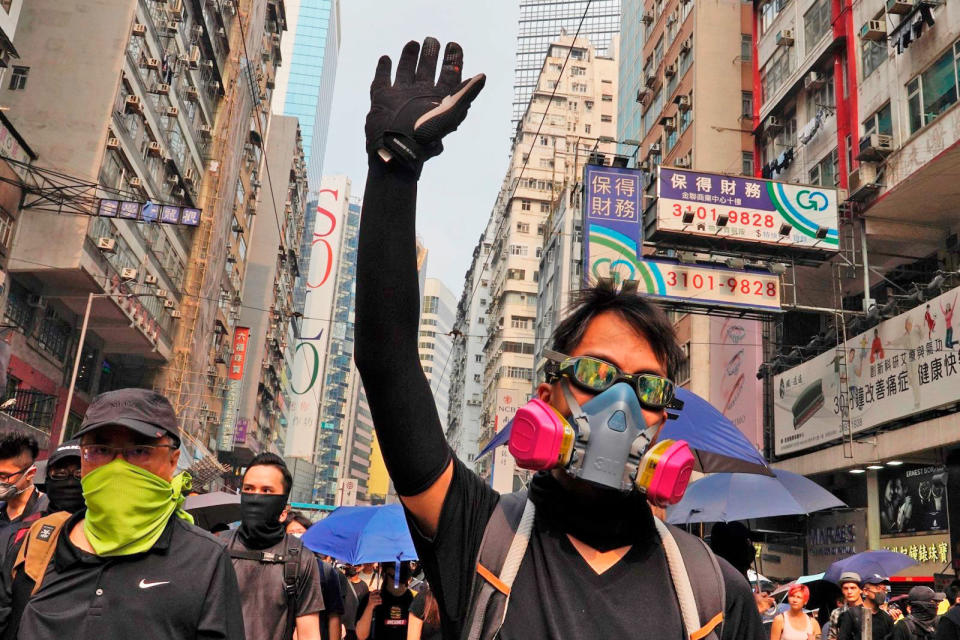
(172, 117)
(542, 22)
(357, 440)
(466, 376)
(435, 344)
(553, 142)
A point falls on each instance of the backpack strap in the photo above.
(697, 580)
(290, 560)
(504, 544)
(37, 549)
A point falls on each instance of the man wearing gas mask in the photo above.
(580, 554)
(19, 498)
(868, 620)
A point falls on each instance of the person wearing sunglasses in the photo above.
(20, 498)
(131, 561)
(594, 565)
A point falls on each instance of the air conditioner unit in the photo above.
(647, 17)
(687, 44)
(215, 86)
(874, 30)
(670, 70)
(113, 143)
(173, 112)
(773, 125)
(169, 304)
(179, 193)
(644, 165)
(162, 293)
(814, 80)
(189, 176)
(104, 243)
(222, 33)
(275, 39)
(899, 6)
(212, 371)
(207, 64)
(176, 314)
(192, 94)
(150, 279)
(237, 227)
(669, 123)
(785, 38)
(643, 95)
(152, 63)
(875, 147)
(232, 259)
(650, 79)
(682, 102)
(128, 273)
(133, 104)
(173, 179)
(655, 148)
(682, 163)
(196, 32)
(193, 60)
(36, 301)
(204, 131)
(862, 182)
(154, 148)
(139, 29)
(161, 88)
(170, 26)
(176, 6)
(135, 182)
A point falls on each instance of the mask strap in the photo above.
(580, 421)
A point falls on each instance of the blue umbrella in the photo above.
(870, 563)
(716, 442)
(725, 497)
(363, 534)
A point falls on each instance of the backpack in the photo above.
(290, 560)
(917, 632)
(698, 582)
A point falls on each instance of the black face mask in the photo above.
(350, 571)
(260, 525)
(65, 495)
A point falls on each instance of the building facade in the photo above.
(435, 344)
(542, 22)
(569, 115)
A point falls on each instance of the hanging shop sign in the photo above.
(148, 212)
(834, 535)
(693, 204)
(903, 366)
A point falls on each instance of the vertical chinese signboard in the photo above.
(241, 336)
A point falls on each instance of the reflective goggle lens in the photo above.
(596, 375)
(654, 391)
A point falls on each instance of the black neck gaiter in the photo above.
(260, 525)
(603, 518)
(65, 495)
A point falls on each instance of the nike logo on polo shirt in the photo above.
(147, 585)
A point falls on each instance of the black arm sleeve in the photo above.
(387, 318)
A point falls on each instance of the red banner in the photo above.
(241, 335)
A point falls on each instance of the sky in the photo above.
(458, 188)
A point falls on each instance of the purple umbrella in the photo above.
(868, 563)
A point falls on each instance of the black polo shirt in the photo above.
(182, 588)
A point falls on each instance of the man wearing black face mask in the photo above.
(279, 578)
(869, 620)
(593, 560)
(921, 620)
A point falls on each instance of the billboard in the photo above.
(903, 366)
(612, 250)
(736, 352)
(913, 500)
(835, 535)
(754, 210)
(228, 416)
(503, 466)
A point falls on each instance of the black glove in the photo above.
(408, 119)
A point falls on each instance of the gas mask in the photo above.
(607, 442)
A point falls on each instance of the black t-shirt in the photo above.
(390, 616)
(418, 608)
(332, 596)
(556, 594)
(851, 622)
(354, 605)
(948, 626)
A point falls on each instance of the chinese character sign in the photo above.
(241, 336)
(614, 197)
(904, 365)
(746, 209)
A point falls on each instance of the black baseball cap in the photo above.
(141, 410)
(69, 449)
(924, 594)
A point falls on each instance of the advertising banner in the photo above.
(241, 335)
(228, 416)
(503, 466)
(736, 352)
(913, 500)
(756, 210)
(903, 366)
(833, 536)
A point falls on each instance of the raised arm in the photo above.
(404, 128)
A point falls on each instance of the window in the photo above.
(816, 24)
(18, 80)
(6, 228)
(520, 373)
(516, 274)
(872, 54)
(525, 205)
(683, 371)
(476, 377)
(747, 166)
(427, 369)
(544, 141)
(775, 72)
(746, 47)
(606, 118)
(822, 96)
(586, 128)
(934, 90)
(544, 207)
(746, 104)
(523, 227)
(607, 97)
(769, 13)
(519, 250)
(879, 122)
(426, 356)
(519, 322)
(578, 71)
(478, 357)
(431, 304)
(825, 172)
(481, 320)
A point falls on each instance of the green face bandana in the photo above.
(128, 507)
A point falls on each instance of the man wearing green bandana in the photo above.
(132, 564)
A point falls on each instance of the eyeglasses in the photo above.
(596, 375)
(63, 474)
(7, 477)
(137, 454)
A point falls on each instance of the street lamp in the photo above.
(83, 336)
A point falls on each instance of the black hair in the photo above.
(272, 460)
(299, 518)
(953, 592)
(646, 318)
(14, 445)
